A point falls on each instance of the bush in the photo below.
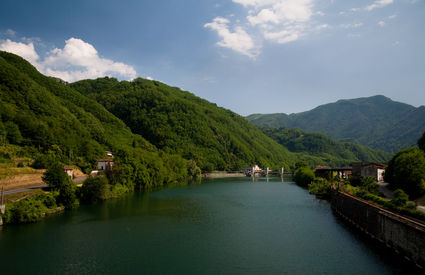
(369, 185)
(30, 209)
(303, 176)
(95, 189)
(320, 187)
(400, 198)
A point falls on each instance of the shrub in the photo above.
(400, 198)
(304, 176)
(320, 186)
(95, 189)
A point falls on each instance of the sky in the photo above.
(250, 56)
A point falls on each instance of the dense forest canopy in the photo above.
(331, 152)
(179, 122)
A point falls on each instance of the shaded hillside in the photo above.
(179, 122)
(375, 121)
(331, 152)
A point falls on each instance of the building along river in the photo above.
(231, 226)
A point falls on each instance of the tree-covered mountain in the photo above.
(376, 121)
(48, 121)
(329, 151)
(179, 122)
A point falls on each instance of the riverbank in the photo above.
(222, 175)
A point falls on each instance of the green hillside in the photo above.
(48, 121)
(331, 152)
(179, 122)
(377, 122)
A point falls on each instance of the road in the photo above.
(24, 189)
(76, 180)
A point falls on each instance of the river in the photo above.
(231, 226)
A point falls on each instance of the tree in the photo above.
(406, 170)
(95, 189)
(369, 185)
(55, 176)
(67, 195)
(421, 142)
(303, 176)
(400, 198)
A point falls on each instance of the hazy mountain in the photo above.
(375, 121)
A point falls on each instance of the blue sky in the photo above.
(250, 56)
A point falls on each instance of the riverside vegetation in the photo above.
(405, 173)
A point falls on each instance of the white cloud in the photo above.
(381, 23)
(394, 16)
(238, 39)
(77, 60)
(279, 21)
(351, 26)
(322, 26)
(26, 51)
(379, 4)
(149, 78)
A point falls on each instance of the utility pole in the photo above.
(2, 206)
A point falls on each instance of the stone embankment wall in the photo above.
(403, 235)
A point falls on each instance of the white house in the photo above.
(104, 165)
(69, 171)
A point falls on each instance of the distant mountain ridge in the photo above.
(376, 121)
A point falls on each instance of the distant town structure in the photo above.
(69, 171)
(362, 170)
(252, 170)
(329, 172)
(104, 165)
(109, 154)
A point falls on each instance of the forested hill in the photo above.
(44, 121)
(330, 152)
(375, 121)
(180, 122)
(39, 111)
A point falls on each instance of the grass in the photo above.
(22, 195)
(8, 172)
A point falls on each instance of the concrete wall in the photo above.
(402, 235)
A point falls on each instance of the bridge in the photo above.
(327, 172)
(255, 171)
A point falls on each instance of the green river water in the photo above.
(231, 226)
